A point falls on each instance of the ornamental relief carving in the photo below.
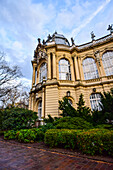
(41, 55)
(97, 56)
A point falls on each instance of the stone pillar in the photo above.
(33, 76)
(54, 66)
(76, 68)
(72, 72)
(80, 69)
(103, 74)
(49, 66)
(43, 102)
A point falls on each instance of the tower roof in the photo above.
(58, 39)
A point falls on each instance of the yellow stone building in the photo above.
(61, 69)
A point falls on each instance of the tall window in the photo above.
(70, 102)
(107, 60)
(95, 100)
(43, 72)
(64, 70)
(90, 69)
(40, 109)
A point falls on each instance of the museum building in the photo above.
(61, 69)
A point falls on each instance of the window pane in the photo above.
(43, 72)
(70, 102)
(40, 109)
(107, 60)
(64, 70)
(90, 69)
(94, 101)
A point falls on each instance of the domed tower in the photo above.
(50, 66)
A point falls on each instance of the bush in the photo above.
(30, 135)
(96, 141)
(10, 134)
(105, 126)
(18, 118)
(25, 135)
(46, 127)
(72, 123)
(107, 106)
(61, 138)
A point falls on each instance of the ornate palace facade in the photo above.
(61, 69)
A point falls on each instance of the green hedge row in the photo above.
(94, 141)
(25, 135)
(61, 138)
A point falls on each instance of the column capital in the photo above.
(74, 55)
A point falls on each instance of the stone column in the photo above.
(76, 68)
(72, 72)
(102, 67)
(43, 102)
(34, 74)
(54, 66)
(80, 69)
(49, 66)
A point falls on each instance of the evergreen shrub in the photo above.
(72, 123)
(25, 135)
(96, 141)
(17, 118)
(10, 134)
(46, 127)
(61, 138)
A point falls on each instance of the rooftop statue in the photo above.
(72, 40)
(110, 27)
(92, 36)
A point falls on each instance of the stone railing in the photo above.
(92, 80)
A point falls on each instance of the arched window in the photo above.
(43, 72)
(107, 60)
(40, 109)
(64, 70)
(90, 69)
(70, 102)
(95, 100)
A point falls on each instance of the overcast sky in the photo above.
(23, 21)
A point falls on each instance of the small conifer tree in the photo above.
(82, 110)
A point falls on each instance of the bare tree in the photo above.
(7, 77)
(16, 97)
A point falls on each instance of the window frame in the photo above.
(40, 109)
(107, 61)
(64, 75)
(95, 99)
(40, 72)
(90, 69)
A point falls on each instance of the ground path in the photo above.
(25, 157)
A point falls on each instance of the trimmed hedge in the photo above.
(10, 134)
(94, 141)
(25, 135)
(61, 138)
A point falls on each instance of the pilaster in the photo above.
(80, 69)
(49, 66)
(54, 65)
(76, 69)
